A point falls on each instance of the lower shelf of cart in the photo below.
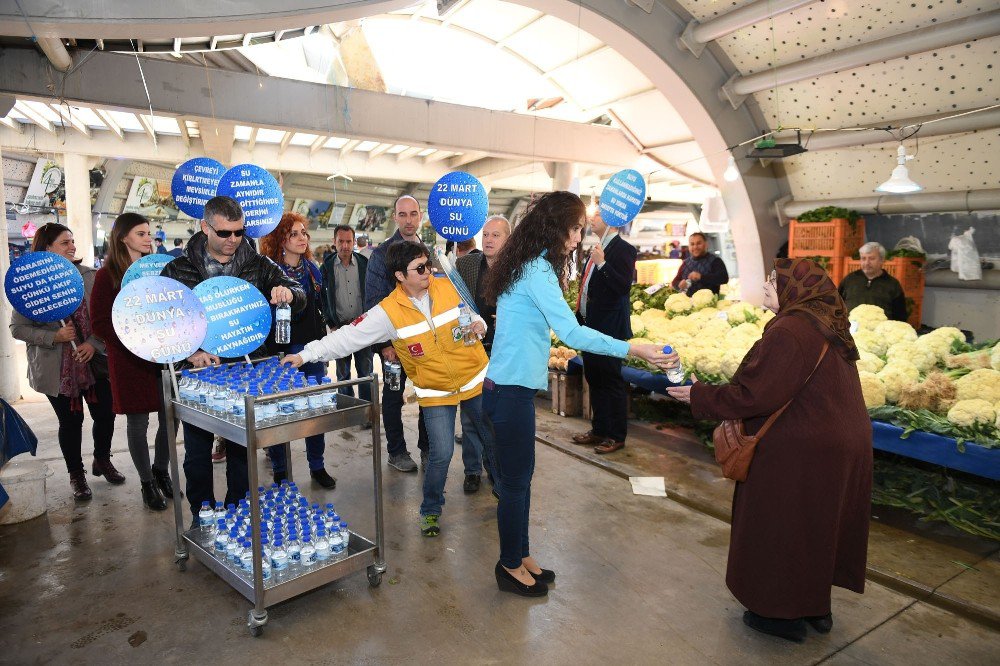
(290, 582)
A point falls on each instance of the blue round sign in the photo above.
(149, 266)
(258, 193)
(194, 183)
(159, 319)
(458, 206)
(239, 317)
(622, 198)
(44, 286)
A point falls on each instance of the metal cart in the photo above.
(361, 553)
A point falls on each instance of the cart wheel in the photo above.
(256, 631)
(374, 577)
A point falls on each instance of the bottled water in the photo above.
(345, 535)
(205, 516)
(322, 546)
(301, 402)
(265, 548)
(393, 375)
(293, 548)
(221, 539)
(286, 406)
(674, 375)
(307, 554)
(235, 404)
(279, 556)
(246, 556)
(202, 388)
(233, 548)
(220, 512)
(329, 396)
(465, 324)
(265, 567)
(283, 324)
(336, 543)
(316, 400)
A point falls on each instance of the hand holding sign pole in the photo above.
(44, 287)
(622, 198)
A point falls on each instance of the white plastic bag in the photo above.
(911, 243)
(965, 256)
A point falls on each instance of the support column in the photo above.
(10, 386)
(80, 220)
(565, 176)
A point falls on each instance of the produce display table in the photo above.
(651, 382)
(938, 450)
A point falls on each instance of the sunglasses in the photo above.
(226, 234)
(421, 268)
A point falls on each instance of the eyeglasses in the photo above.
(421, 268)
(226, 234)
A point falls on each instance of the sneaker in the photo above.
(429, 526)
(219, 452)
(424, 457)
(403, 462)
(323, 478)
(472, 483)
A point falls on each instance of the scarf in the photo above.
(804, 288)
(76, 380)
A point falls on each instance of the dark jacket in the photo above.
(884, 291)
(308, 324)
(472, 268)
(608, 306)
(713, 273)
(329, 294)
(258, 270)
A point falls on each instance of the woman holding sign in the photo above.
(526, 282)
(68, 375)
(135, 383)
(288, 246)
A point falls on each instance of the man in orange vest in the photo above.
(420, 317)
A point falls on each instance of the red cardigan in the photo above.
(134, 382)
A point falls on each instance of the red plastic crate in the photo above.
(835, 238)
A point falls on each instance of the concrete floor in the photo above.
(640, 580)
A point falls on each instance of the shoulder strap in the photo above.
(774, 417)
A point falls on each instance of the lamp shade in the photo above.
(899, 182)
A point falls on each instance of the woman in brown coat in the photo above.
(800, 520)
(134, 382)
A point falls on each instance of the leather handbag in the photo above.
(734, 447)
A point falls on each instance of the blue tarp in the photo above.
(15, 438)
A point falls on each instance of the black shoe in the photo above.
(821, 623)
(151, 496)
(790, 630)
(280, 476)
(472, 483)
(78, 482)
(103, 467)
(321, 477)
(496, 493)
(507, 583)
(547, 576)
(162, 480)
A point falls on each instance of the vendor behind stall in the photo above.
(701, 270)
(873, 286)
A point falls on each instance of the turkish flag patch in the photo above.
(415, 349)
(359, 319)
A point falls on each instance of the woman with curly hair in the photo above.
(288, 246)
(526, 283)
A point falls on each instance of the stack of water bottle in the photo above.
(296, 536)
(220, 391)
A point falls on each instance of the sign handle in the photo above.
(72, 342)
(173, 380)
(247, 357)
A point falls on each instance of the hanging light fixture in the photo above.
(732, 172)
(899, 182)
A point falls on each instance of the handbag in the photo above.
(734, 447)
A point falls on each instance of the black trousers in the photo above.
(392, 420)
(71, 426)
(608, 396)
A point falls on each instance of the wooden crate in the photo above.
(570, 394)
(910, 273)
(836, 238)
(554, 390)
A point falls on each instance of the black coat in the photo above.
(608, 306)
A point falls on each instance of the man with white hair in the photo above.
(873, 286)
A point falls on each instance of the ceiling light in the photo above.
(732, 173)
(899, 182)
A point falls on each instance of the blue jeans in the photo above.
(477, 440)
(440, 423)
(511, 410)
(315, 444)
(363, 365)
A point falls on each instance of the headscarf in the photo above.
(805, 288)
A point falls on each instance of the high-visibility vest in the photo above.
(444, 371)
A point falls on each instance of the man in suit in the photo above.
(604, 306)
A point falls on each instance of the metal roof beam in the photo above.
(12, 124)
(35, 117)
(66, 114)
(936, 36)
(697, 34)
(112, 124)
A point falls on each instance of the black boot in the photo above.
(790, 630)
(162, 480)
(821, 623)
(151, 496)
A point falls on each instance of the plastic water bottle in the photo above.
(283, 324)
(329, 396)
(293, 548)
(317, 402)
(322, 546)
(221, 538)
(265, 566)
(279, 556)
(205, 516)
(674, 375)
(246, 556)
(393, 376)
(233, 548)
(465, 324)
(307, 553)
(286, 406)
(336, 543)
(301, 401)
(234, 401)
(345, 535)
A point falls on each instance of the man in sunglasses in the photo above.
(420, 319)
(221, 248)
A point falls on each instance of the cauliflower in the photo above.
(968, 413)
(873, 389)
(736, 314)
(731, 360)
(983, 383)
(948, 333)
(868, 341)
(638, 306)
(702, 298)
(870, 362)
(867, 316)
(896, 331)
(678, 303)
(937, 346)
(995, 357)
(909, 351)
(638, 326)
(895, 376)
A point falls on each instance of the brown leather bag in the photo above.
(734, 447)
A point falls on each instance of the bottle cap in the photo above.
(667, 349)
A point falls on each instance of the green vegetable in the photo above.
(911, 420)
(827, 213)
